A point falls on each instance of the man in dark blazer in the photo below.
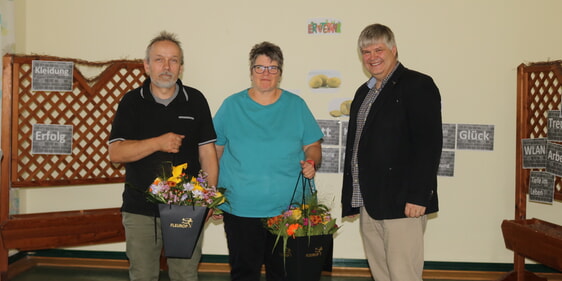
(393, 150)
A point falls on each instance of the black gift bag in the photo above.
(181, 228)
(304, 258)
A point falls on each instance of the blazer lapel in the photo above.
(388, 91)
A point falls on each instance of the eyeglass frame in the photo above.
(269, 68)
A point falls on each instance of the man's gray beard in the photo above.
(166, 85)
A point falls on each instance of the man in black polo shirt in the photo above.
(161, 121)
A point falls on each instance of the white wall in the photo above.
(470, 47)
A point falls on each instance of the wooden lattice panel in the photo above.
(539, 91)
(89, 108)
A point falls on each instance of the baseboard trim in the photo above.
(219, 264)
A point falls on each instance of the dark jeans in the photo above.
(250, 246)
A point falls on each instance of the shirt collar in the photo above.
(372, 81)
(146, 93)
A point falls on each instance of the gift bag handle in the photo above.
(304, 183)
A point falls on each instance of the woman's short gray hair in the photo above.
(268, 49)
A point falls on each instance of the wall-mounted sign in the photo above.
(554, 125)
(331, 130)
(447, 164)
(554, 158)
(541, 187)
(330, 160)
(475, 137)
(323, 26)
(449, 134)
(534, 153)
(335, 137)
(52, 76)
(51, 139)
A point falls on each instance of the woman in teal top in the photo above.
(266, 136)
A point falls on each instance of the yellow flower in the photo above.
(198, 187)
(177, 172)
(296, 214)
(219, 195)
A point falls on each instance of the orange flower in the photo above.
(315, 219)
(273, 221)
(292, 228)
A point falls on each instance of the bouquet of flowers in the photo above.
(184, 202)
(303, 219)
(307, 229)
(180, 188)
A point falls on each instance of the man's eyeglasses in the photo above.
(259, 69)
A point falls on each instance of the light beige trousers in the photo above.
(394, 248)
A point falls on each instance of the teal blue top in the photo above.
(263, 147)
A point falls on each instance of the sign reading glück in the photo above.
(475, 137)
(52, 76)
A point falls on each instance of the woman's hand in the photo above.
(308, 169)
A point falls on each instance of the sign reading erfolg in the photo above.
(52, 76)
(51, 139)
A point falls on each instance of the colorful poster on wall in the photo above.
(339, 107)
(323, 26)
(324, 81)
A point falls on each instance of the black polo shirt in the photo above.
(140, 117)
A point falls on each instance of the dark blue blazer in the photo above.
(399, 149)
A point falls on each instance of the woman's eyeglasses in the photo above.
(259, 69)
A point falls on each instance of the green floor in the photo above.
(72, 274)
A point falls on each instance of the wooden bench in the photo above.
(89, 108)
